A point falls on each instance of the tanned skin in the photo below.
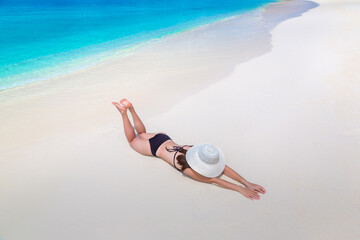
(141, 144)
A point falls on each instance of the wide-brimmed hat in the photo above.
(206, 159)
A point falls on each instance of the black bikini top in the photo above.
(176, 149)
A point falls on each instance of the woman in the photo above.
(202, 162)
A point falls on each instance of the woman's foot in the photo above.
(122, 109)
(248, 193)
(126, 103)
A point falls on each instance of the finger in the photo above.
(252, 196)
(257, 190)
(260, 191)
(256, 196)
(254, 191)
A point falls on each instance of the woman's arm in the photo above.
(234, 175)
(222, 183)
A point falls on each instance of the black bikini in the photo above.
(156, 141)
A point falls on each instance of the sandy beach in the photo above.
(277, 89)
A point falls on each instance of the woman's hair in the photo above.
(182, 160)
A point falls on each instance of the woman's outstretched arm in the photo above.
(246, 192)
(234, 175)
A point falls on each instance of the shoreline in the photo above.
(180, 58)
(91, 60)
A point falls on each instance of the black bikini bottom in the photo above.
(156, 141)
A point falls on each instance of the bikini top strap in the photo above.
(176, 149)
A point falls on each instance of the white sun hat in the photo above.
(206, 159)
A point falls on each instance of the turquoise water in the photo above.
(44, 38)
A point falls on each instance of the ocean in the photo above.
(40, 39)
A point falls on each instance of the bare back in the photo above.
(168, 156)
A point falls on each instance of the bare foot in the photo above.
(248, 193)
(122, 109)
(256, 188)
(126, 103)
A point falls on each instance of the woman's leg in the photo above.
(128, 128)
(139, 145)
(139, 126)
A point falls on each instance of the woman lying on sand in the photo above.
(201, 162)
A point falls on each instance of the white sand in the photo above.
(284, 106)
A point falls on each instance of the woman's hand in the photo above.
(256, 187)
(248, 193)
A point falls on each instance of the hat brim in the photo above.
(205, 169)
